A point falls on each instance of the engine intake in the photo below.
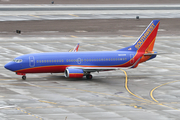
(73, 73)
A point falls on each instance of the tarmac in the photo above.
(151, 91)
(21, 12)
(89, 2)
(147, 92)
(89, 27)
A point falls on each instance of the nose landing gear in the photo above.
(24, 77)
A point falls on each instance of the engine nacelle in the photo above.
(73, 73)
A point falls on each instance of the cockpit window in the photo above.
(17, 60)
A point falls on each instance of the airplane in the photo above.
(76, 64)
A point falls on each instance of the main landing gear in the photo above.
(89, 76)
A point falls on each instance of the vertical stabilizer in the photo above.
(145, 42)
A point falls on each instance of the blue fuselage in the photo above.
(60, 60)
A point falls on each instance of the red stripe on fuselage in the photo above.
(61, 68)
(44, 69)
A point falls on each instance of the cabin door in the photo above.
(78, 61)
(31, 61)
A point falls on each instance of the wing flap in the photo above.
(96, 69)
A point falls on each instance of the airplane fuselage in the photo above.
(58, 62)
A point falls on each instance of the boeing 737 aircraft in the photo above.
(76, 64)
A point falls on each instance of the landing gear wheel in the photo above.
(24, 77)
(89, 77)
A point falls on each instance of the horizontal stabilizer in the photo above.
(147, 54)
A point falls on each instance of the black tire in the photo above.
(89, 77)
(24, 77)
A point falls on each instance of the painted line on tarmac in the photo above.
(28, 113)
(128, 36)
(47, 102)
(73, 15)
(126, 86)
(73, 36)
(137, 106)
(34, 16)
(151, 93)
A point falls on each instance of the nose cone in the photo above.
(10, 66)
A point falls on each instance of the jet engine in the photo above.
(73, 73)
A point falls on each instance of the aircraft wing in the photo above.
(96, 69)
(75, 49)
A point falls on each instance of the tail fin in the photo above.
(145, 42)
(75, 49)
